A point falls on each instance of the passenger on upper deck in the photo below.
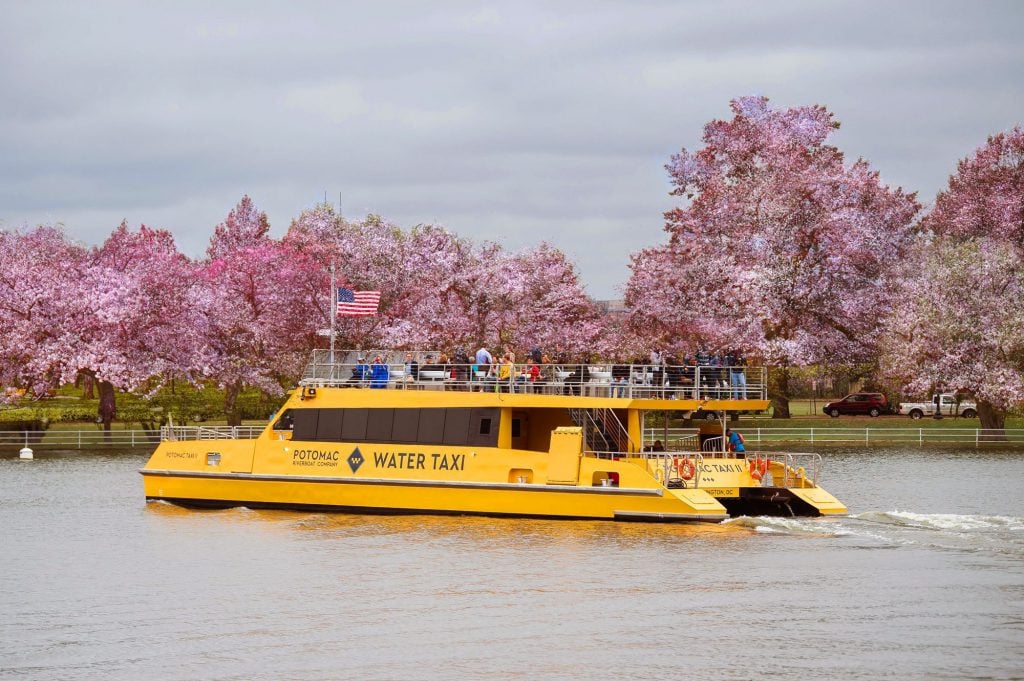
(620, 380)
(379, 373)
(657, 371)
(412, 367)
(484, 360)
(529, 375)
(461, 365)
(504, 374)
(737, 374)
(547, 373)
(360, 372)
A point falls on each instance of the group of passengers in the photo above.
(701, 375)
(374, 375)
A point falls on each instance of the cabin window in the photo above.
(286, 421)
(456, 426)
(328, 426)
(353, 429)
(305, 423)
(379, 425)
(406, 425)
(431, 426)
(516, 427)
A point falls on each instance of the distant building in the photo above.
(612, 308)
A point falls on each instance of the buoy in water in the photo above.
(25, 453)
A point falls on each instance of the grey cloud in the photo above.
(514, 123)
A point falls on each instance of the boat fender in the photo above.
(686, 468)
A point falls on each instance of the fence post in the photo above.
(867, 436)
(920, 436)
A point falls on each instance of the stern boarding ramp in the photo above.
(342, 369)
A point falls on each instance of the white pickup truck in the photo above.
(950, 407)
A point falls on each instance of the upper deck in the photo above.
(743, 387)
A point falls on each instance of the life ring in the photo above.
(758, 467)
(685, 468)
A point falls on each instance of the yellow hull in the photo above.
(382, 496)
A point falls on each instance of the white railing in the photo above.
(210, 432)
(672, 439)
(634, 381)
(79, 439)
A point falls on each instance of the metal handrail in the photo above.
(792, 464)
(78, 439)
(664, 465)
(635, 381)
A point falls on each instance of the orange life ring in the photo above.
(758, 467)
(686, 468)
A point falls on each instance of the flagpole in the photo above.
(334, 315)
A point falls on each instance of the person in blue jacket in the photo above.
(735, 441)
(379, 373)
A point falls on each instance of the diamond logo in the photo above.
(355, 459)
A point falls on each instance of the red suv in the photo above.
(871, 404)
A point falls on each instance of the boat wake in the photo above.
(998, 535)
(809, 527)
(963, 533)
(944, 521)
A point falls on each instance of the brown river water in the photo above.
(925, 580)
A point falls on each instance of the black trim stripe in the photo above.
(373, 510)
(389, 482)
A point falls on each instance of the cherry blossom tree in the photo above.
(961, 323)
(136, 321)
(780, 248)
(40, 295)
(257, 320)
(440, 290)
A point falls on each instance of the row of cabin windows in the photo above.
(453, 426)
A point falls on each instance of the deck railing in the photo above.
(635, 381)
(82, 439)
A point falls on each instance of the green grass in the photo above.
(185, 404)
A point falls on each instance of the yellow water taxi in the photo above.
(457, 440)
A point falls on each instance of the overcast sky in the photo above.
(513, 122)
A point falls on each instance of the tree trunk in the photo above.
(230, 402)
(88, 382)
(108, 406)
(778, 391)
(992, 419)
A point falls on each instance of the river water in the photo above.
(925, 580)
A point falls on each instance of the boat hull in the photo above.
(383, 496)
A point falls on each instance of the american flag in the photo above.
(357, 303)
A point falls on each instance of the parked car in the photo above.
(871, 404)
(951, 406)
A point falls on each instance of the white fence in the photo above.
(862, 436)
(678, 439)
(81, 439)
